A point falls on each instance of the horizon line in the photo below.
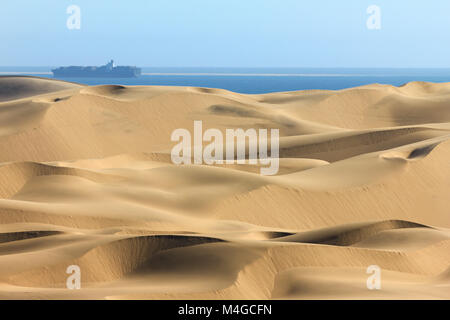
(240, 67)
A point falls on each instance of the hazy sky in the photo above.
(226, 33)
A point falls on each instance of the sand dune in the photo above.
(86, 179)
(15, 87)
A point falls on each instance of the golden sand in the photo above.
(86, 179)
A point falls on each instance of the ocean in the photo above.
(256, 80)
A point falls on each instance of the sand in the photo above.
(86, 179)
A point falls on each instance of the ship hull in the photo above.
(81, 74)
(106, 71)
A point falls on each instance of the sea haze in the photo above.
(256, 80)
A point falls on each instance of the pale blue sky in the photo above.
(226, 33)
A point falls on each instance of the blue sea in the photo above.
(256, 80)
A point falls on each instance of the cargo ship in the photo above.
(109, 70)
